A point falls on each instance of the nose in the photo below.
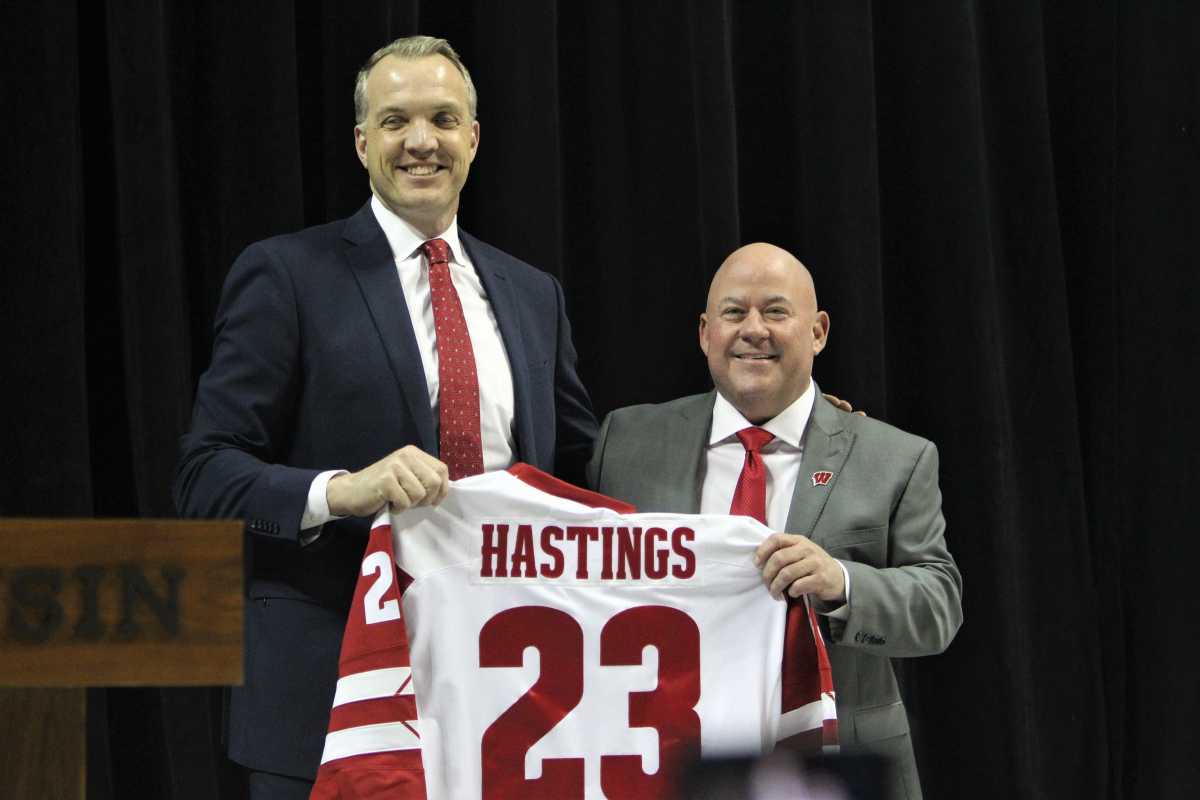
(753, 328)
(420, 139)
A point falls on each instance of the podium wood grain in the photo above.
(42, 752)
(120, 603)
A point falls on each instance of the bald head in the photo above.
(763, 258)
(761, 330)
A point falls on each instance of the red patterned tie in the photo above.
(750, 497)
(459, 441)
(801, 683)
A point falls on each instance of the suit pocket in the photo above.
(864, 545)
(880, 722)
(275, 590)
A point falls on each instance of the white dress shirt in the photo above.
(725, 456)
(496, 404)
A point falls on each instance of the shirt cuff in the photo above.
(316, 512)
(842, 611)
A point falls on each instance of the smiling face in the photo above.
(762, 330)
(418, 139)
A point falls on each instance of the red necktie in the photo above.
(459, 441)
(750, 497)
(805, 669)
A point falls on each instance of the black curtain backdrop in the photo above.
(999, 202)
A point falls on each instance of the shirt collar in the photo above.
(787, 426)
(406, 241)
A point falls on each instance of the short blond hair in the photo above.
(411, 47)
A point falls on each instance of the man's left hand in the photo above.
(796, 565)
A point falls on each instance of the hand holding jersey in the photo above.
(800, 566)
(405, 478)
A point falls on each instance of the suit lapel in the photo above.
(679, 474)
(826, 447)
(502, 298)
(374, 268)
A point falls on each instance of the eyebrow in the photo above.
(437, 108)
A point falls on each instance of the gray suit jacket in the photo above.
(880, 514)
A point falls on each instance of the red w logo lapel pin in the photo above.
(821, 478)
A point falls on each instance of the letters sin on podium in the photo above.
(120, 602)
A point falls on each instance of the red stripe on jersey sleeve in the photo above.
(396, 775)
(377, 711)
(365, 662)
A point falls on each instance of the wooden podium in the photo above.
(105, 602)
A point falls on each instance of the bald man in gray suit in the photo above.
(859, 499)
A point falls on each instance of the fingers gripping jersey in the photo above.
(533, 645)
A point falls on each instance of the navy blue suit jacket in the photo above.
(315, 366)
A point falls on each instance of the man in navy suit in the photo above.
(321, 404)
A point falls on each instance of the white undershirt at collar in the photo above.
(405, 240)
(787, 426)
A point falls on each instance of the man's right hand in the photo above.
(406, 478)
(844, 405)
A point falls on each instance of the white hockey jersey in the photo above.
(537, 642)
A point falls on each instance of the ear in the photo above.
(820, 331)
(703, 332)
(474, 138)
(360, 144)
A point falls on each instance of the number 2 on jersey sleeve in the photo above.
(375, 609)
(669, 708)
